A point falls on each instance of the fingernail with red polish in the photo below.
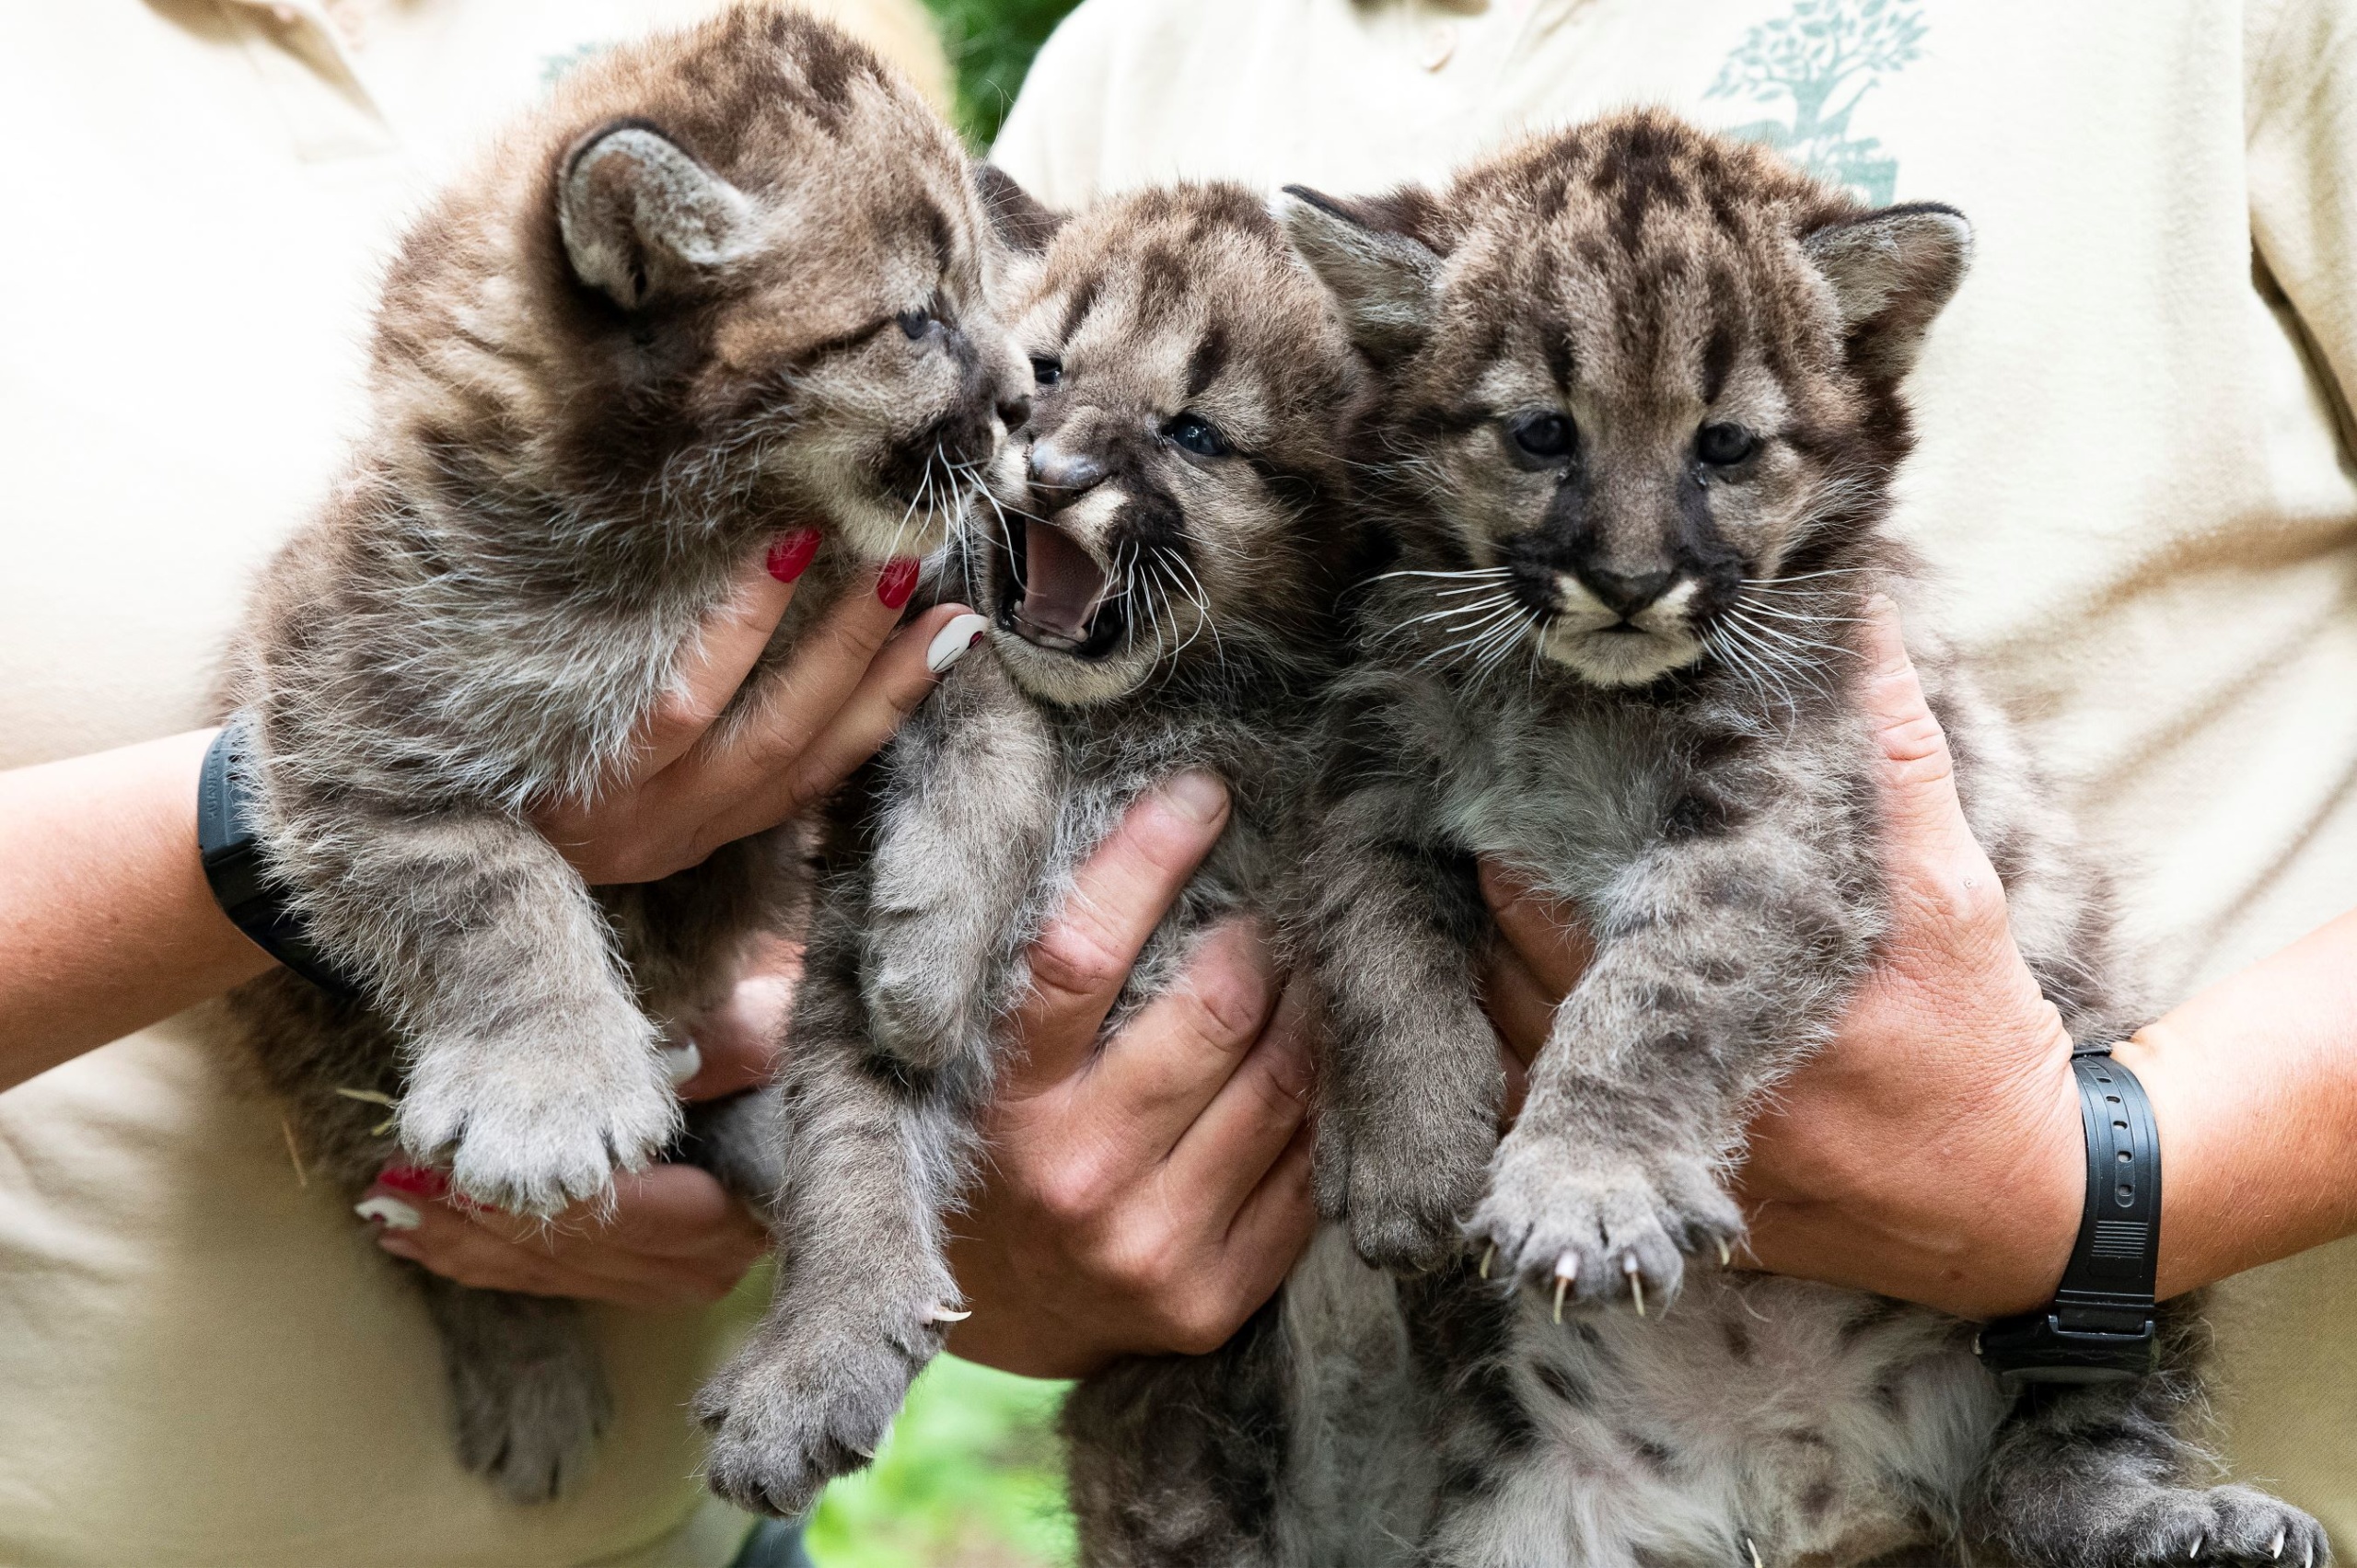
(790, 555)
(897, 582)
(423, 1180)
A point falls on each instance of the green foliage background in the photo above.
(973, 1476)
(990, 43)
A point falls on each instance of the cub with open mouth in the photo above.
(1166, 601)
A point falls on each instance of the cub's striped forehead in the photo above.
(1179, 291)
(1632, 250)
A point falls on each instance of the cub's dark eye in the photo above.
(1720, 444)
(916, 323)
(1544, 435)
(1198, 435)
(1046, 371)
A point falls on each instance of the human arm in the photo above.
(106, 924)
(1933, 1151)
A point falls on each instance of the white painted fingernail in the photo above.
(390, 1212)
(682, 1061)
(949, 643)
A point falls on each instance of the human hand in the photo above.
(1147, 1197)
(670, 1234)
(1933, 1151)
(688, 789)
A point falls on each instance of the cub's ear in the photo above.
(640, 218)
(1891, 272)
(1021, 222)
(1385, 282)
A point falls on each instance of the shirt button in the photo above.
(1439, 44)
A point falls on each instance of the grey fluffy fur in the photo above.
(1700, 788)
(725, 282)
(1203, 648)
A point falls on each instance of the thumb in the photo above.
(1928, 848)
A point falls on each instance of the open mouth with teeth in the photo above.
(1055, 596)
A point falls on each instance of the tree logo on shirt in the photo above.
(1825, 55)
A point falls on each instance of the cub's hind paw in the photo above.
(786, 1419)
(917, 1016)
(1594, 1235)
(530, 1424)
(532, 1126)
(2232, 1525)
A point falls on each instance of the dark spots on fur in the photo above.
(1565, 1385)
(1808, 1437)
(1873, 1315)
(1818, 1502)
(1466, 1480)
(1718, 359)
(1638, 173)
(1084, 300)
(1460, 1337)
(1560, 365)
(1203, 365)
(942, 235)
(1654, 1455)
(1739, 1339)
(1697, 815)
(1888, 1399)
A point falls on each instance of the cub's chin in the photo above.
(1621, 655)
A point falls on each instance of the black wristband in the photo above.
(2099, 1327)
(235, 866)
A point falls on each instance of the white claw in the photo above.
(943, 1314)
(1726, 1253)
(2277, 1550)
(1636, 1286)
(1561, 1285)
(1752, 1548)
(2197, 1548)
(1487, 1253)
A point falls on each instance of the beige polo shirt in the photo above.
(2135, 480)
(204, 1362)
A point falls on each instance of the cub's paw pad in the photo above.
(533, 1129)
(785, 1424)
(531, 1425)
(2232, 1525)
(1591, 1237)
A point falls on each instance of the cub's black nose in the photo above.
(1065, 474)
(1625, 593)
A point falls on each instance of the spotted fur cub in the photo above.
(1640, 414)
(721, 283)
(1163, 600)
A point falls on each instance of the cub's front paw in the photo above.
(2235, 1524)
(1405, 1195)
(533, 1124)
(787, 1417)
(1560, 1218)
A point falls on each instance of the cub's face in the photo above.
(751, 273)
(1189, 386)
(1639, 376)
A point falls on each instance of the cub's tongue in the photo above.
(1062, 587)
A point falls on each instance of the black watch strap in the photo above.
(2099, 1327)
(234, 864)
